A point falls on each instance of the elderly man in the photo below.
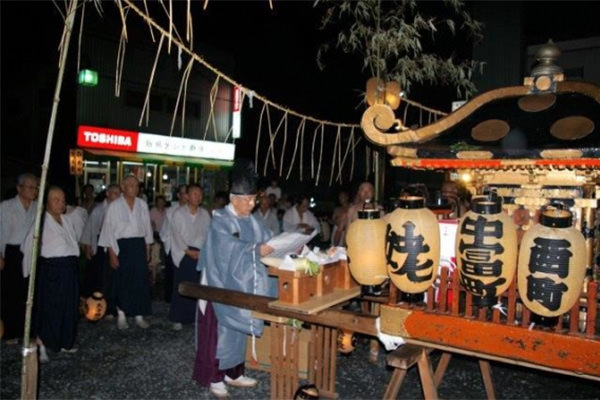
(16, 218)
(267, 214)
(57, 289)
(127, 235)
(231, 259)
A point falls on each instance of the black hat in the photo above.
(243, 177)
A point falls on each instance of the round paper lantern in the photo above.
(552, 264)
(412, 245)
(365, 239)
(307, 392)
(94, 307)
(346, 341)
(486, 250)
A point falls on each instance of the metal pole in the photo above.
(29, 370)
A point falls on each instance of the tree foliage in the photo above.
(395, 37)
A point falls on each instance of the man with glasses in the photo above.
(16, 218)
(230, 259)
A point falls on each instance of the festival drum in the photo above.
(552, 264)
(365, 239)
(486, 250)
(412, 245)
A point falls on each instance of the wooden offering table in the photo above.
(302, 293)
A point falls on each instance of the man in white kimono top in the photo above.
(56, 311)
(16, 217)
(165, 237)
(127, 235)
(189, 227)
(267, 214)
(300, 219)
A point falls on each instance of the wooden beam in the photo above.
(345, 320)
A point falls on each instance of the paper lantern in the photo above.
(94, 307)
(486, 250)
(552, 264)
(346, 341)
(366, 247)
(412, 245)
(307, 392)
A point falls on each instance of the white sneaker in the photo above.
(43, 354)
(241, 381)
(177, 326)
(72, 350)
(122, 322)
(219, 390)
(141, 322)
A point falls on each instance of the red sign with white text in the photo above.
(105, 138)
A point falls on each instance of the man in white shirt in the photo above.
(267, 214)
(16, 217)
(57, 292)
(189, 227)
(164, 234)
(300, 219)
(274, 189)
(127, 235)
(99, 274)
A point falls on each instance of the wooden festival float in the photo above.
(536, 149)
(537, 146)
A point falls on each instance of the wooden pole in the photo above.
(345, 320)
(29, 370)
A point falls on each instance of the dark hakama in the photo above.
(131, 278)
(206, 365)
(106, 280)
(168, 277)
(14, 292)
(183, 309)
(95, 273)
(56, 302)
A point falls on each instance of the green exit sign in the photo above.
(88, 77)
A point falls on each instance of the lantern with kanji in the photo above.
(486, 250)
(366, 247)
(94, 307)
(412, 245)
(552, 263)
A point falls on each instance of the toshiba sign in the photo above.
(141, 142)
(104, 138)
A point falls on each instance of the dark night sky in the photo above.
(275, 55)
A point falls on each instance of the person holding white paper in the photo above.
(300, 219)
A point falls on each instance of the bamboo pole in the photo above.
(29, 370)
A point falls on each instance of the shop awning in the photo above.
(113, 155)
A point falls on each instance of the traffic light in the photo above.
(76, 161)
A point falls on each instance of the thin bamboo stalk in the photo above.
(29, 374)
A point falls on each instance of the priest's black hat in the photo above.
(243, 177)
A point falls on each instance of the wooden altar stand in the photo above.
(308, 295)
